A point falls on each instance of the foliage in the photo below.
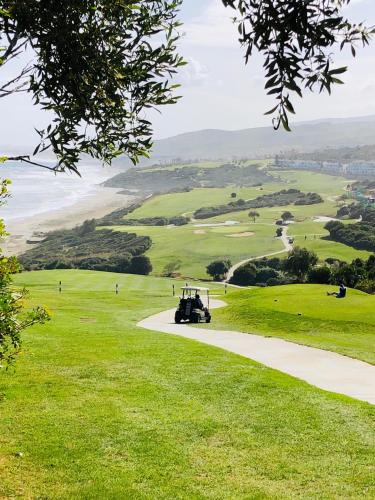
(279, 232)
(360, 235)
(156, 221)
(97, 66)
(218, 269)
(287, 216)
(84, 247)
(320, 274)
(140, 264)
(264, 272)
(296, 39)
(244, 275)
(352, 211)
(280, 198)
(13, 318)
(158, 180)
(299, 262)
(253, 214)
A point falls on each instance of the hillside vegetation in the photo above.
(278, 199)
(99, 408)
(159, 180)
(360, 235)
(86, 248)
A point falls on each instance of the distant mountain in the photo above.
(257, 142)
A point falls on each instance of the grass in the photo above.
(195, 252)
(345, 326)
(103, 409)
(168, 205)
(195, 247)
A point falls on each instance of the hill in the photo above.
(265, 141)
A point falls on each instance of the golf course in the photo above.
(97, 407)
(236, 236)
(108, 401)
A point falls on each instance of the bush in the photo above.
(280, 198)
(86, 248)
(245, 275)
(140, 265)
(320, 275)
(218, 269)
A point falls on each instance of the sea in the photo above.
(35, 190)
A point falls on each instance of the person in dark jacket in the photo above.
(340, 294)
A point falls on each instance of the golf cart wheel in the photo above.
(208, 319)
(195, 318)
(177, 317)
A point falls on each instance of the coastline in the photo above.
(102, 201)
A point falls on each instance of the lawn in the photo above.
(168, 205)
(102, 409)
(195, 247)
(345, 326)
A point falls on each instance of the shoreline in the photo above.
(103, 201)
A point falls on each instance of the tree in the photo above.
(321, 275)
(299, 262)
(287, 216)
(140, 264)
(245, 275)
(13, 318)
(253, 214)
(219, 269)
(296, 39)
(97, 66)
(233, 195)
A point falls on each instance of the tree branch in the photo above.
(26, 159)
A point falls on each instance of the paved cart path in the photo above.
(324, 369)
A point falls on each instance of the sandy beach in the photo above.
(101, 202)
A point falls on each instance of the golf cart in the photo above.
(191, 308)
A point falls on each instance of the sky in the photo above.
(218, 90)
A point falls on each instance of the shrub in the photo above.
(320, 275)
(218, 269)
(140, 264)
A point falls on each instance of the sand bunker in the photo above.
(322, 218)
(241, 235)
(199, 231)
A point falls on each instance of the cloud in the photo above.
(194, 73)
(213, 28)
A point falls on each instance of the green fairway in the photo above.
(346, 326)
(168, 205)
(195, 247)
(102, 409)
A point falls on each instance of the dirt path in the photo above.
(287, 248)
(324, 369)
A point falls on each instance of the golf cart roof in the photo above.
(194, 289)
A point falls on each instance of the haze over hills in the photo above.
(264, 141)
